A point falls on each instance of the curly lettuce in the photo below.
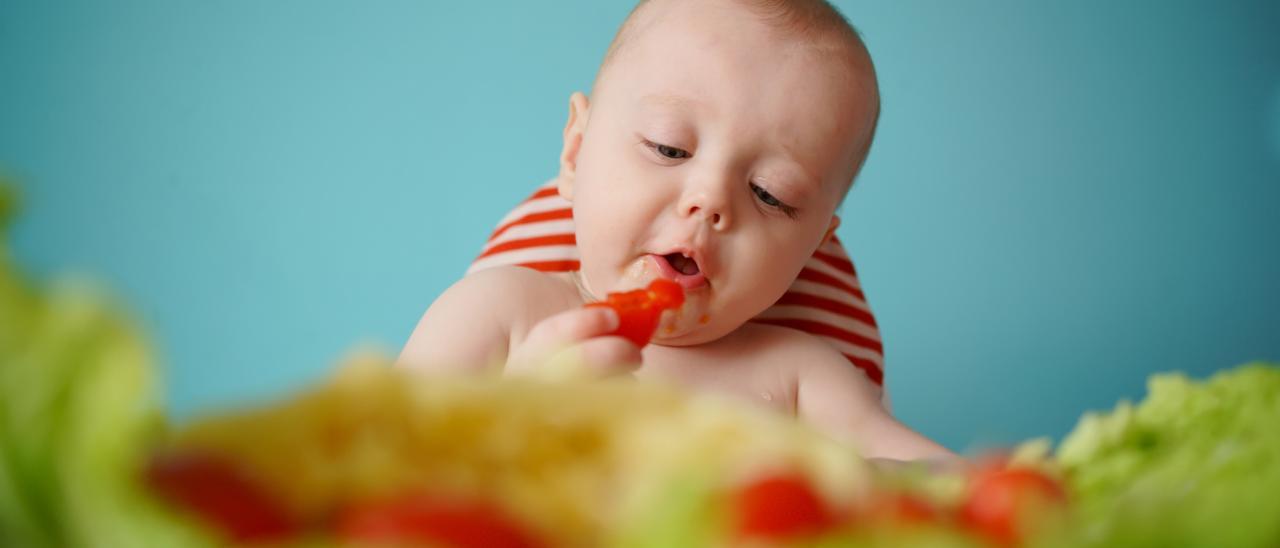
(1194, 464)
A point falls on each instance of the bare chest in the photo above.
(743, 365)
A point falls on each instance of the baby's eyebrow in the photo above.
(670, 100)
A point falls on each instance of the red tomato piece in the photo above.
(781, 507)
(214, 490)
(666, 294)
(639, 310)
(433, 520)
(1002, 504)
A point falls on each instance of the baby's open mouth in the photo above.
(681, 268)
(682, 264)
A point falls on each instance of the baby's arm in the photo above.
(517, 321)
(839, 399)
(467, 328)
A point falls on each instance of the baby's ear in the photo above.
(579, 108)
(831, 230)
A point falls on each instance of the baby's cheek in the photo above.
(773, 270)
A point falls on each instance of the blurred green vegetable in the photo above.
(1194, 464)
(78, 409)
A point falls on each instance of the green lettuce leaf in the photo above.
(1194, 464)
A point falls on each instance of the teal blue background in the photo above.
(1062, 199)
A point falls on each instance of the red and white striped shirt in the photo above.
(826, 299)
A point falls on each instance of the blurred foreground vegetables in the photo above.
(375, 456)
(78, 411)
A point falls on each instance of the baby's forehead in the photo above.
(680, 34)
(811, 95)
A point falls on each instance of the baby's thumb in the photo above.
(575, 344)
(596, 358)
(567, 328)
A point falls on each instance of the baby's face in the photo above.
(715, 153)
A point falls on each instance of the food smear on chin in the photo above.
(640, 310)
(637, 273)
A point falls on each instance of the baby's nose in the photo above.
(714, 217)
(709, 209)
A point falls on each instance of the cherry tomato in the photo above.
(1001, 504)
(214, 490)
(435, 521)
(781, 507)
(639, 310)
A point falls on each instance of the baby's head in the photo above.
(720, 137)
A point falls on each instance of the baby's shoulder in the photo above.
(502, 275)
(514, 286)
(519, 296)
(477, 318)
(515, 280)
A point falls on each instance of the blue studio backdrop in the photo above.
(1063, 197)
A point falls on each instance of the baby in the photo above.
(720, 137)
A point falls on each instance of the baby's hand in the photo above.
(576, 343)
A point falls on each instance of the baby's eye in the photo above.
(769, 200)
(672, 152)
(668, 152)
(765, 197)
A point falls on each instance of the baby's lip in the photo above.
(687, 281)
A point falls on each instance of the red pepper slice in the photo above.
(215, 491)
(639, 310)
(1003, 503)
(781, 507)
(434, 520)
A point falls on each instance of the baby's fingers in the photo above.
(558, 338)
(596, 358)
(608, 356)
(572, 326)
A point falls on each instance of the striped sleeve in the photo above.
(537, 234)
